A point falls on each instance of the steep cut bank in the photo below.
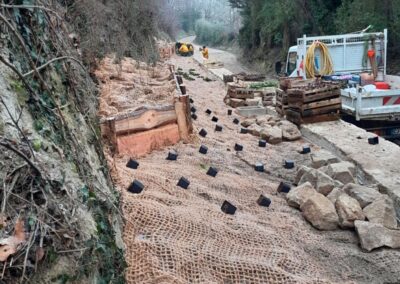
(59, 218)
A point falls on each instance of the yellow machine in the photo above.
(184, 49)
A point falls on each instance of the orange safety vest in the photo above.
(205, 53)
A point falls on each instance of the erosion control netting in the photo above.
(181, 236)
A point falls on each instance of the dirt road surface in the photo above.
(175, 235)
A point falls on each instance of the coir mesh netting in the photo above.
(181, 236)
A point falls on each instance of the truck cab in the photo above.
(291, 62)
(347, 52)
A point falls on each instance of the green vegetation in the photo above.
(276, 24)
(212, 33)
(262, 85)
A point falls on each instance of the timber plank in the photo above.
(321, 103)
(321, 110)
(144, 120)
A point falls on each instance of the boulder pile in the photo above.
(240, 94)
(330, 198)
(272, 129)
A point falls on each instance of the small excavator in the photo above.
(184, 49)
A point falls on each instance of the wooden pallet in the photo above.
(296, 82)
(250, 77)
(296, 96)
(297, 118)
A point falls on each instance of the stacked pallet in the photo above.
(239, 95)
(243, 77)
(318, 101)
(281, 102)
(286, 84)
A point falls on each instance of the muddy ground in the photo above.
(173, 235)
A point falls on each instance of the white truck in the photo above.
(377, 111)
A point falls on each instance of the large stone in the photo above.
(342, 172)
(382, 212)
(247, 122)
(297, 196)
(272, 135)
(255, 129)
(320, 212)
(374, 236)
(300, 172)
(310, 176)
(254, 102)
(325, 183)
(236, 102)
(334, 194)
(290, 132)
(319, 180)
(265, 120)
(349, 210)
(323, 158)
(364, 195)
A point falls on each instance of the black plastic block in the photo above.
(259, 167)
(193, 109)
(244, 130)
(264, 201)
(238, 147)
(284, 187)
(236, 121)
(373, 140)
(203, 149)
(306, 150)
(212, 172)
(289, 164)
(191, 100)
(228, 208)
(262, 143)
(184, 183)
(132, 164)
(218, 128)
(136, 187)
(194, 116)
(203, 133)
(208, 111)
(229, 112)
(214, 119)
(172, 155)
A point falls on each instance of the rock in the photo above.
(300, 172)
(272, 135)
(323, 158)
(236, 103)
(297, 196)
(290, 132)
(247, 122)
(320, 212)
(338, 184)
(309, 176)
(341, 172)
(322, 182)
(349, 210)
(325, 183)
(255, 129)
(334, 194)
(254, 102)
(374, 236)
(364, 195)
(382, 212)
(265, 120)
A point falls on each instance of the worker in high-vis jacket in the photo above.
(191, 49)
(204, 51)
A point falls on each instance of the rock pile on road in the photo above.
(272, 129)
(329, 198)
